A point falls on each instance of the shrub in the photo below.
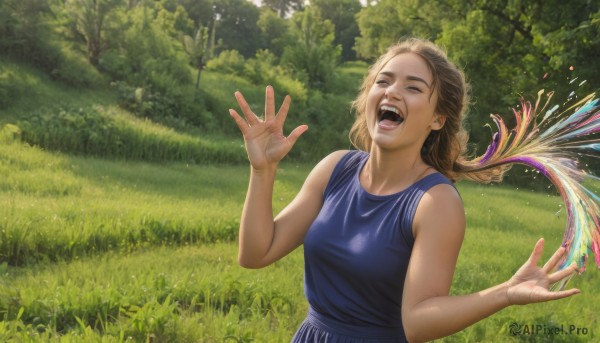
(228, 61)
(180, 108)
(73, 69)
(96, 131)
(11, 87)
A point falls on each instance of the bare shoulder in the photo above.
(319, 176)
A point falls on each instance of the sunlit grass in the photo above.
(60, 207)
(195, 293)
(108, 250)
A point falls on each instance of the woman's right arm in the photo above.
(264, 239)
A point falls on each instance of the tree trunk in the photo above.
(198, 78)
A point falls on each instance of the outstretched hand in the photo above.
(265, 142)
(531, 284)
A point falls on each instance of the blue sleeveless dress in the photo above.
(356, 255)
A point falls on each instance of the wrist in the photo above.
(505, 291)
(268, 171)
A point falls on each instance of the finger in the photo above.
(551, 264)
(250, 116)
(269, 103)
(283, 110)
(561, 294)
(537, 252)
(561, 274)
(241, 123)
(297, 132)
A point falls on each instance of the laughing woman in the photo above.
(382, 225)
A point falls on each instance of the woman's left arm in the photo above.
(428, 312)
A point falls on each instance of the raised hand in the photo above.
(265, 142)
(530, 284)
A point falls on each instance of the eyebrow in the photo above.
(408, 77)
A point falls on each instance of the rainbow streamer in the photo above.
(551, 146)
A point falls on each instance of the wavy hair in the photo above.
(444, 149)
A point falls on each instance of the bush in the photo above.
(330, 118)
(73, 69)
(12, 87)
(95, 131)
(10, 133)
(228, 61)
(182, 107)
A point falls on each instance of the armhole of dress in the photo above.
(440, 179)
(339, 168)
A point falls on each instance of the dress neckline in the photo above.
(385, 196)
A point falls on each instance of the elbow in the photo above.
(248, 263)
(411, 331)
(414, 337)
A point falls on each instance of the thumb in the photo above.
(293, 137)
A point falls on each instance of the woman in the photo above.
(382, 226)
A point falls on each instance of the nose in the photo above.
(393, 92)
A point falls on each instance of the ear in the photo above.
(438, 121)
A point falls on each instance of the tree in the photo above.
(89, 17)
(25, 31)
(200, 48)
(200, 11)
(273, 30)
(507, 48)
(511, 49)
(237, 27)
(284, 7)
(311, 52)
(342, 14)
(388, 21)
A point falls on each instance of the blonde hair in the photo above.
(445, 149)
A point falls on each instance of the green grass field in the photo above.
(106, 251)
(114, 250)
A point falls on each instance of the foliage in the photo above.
(342, 15)
(12, 86)
(75, 71)
(236, 26)
(386, 23)
(284, 7)
(313, 57)
(273, 29)
(329, 119)
(26, 33)
(508, 49)
(144, 54)
(228, 62)
(89, 17)
(263, 69)
(182, 107)
(201, 12)
(96, 131)
(200, 49)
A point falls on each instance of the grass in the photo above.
(36, 89)
(166, 293)
(90, 274)
(60, 207)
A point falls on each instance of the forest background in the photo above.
(133, 94)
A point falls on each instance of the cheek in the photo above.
(372, 102)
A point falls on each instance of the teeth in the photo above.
(389, 108)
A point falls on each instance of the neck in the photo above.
(388, 172)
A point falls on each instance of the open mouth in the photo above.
(389, 115)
